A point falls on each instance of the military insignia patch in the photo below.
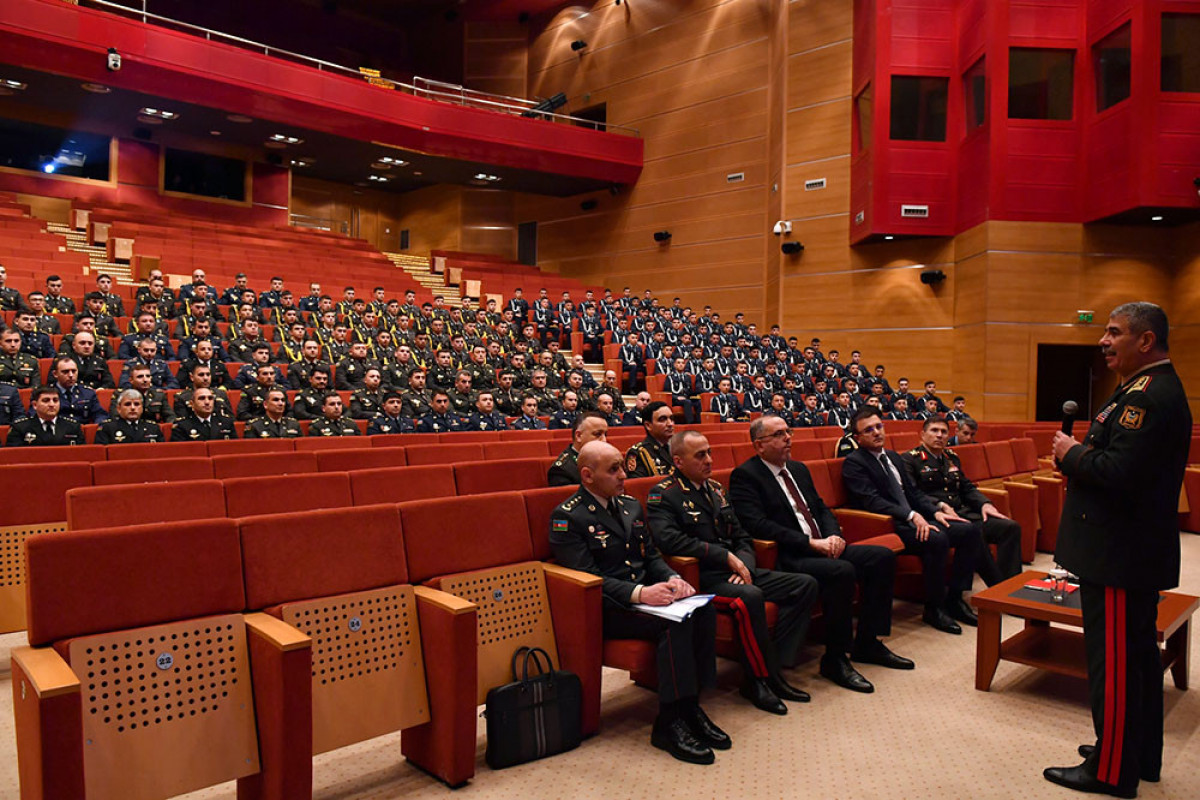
(265, 435)
(631, 463)
(1132, 418)
(1140, 384)
(31, 437)
(119, 436)
(560, 525)
(654, 497)
(194, 434)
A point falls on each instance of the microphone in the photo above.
(1069, 410)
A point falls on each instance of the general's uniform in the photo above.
(612, 541)
(943, 480)
(1120, 534)
(382, 423)
(647, 458)
(194, 429)
(565, 469)
(266, 428)
(698, 521)
(333, 427)
(33, 432)
(123, 431)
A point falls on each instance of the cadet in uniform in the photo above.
(602, 531)
(565, 417)
(253, 397)
(1120, 534)
(201, 378)
(273, 424)
(418, 400)
(690, 516)
(331, 422)
(389, 420)
(652, 456)
(485, 417)
(128, 427)
(440, 418)
(44, 426)
(202, 424)
(16, 368)
(937, 474)
(528, 421)
(589, 427)
(11, 408)
(367, 400)
(311, 402)
(462, 399)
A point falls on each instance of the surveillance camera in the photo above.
(114, 59)
(782, 227)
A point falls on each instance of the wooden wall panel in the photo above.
(869, 299)
(433, 217)
(833, 199)
(819, 75)
(495, 57)
(814, 23)
(821, 131)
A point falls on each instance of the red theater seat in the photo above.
(372, 458)
(222, 447)
(332, 442)
(469, 437)
(125, 452)
(151, 470)
(443, 453)
(505, 475)
(44, 455)
(136, 504)
(402, 439)
(245, 497)
(401, 484)
(539, 505)
(249, 465)
(521, 436)
(531, 449)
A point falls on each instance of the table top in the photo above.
(1174, 609)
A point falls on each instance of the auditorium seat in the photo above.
(1189, 520)
(168, 586)
(332, 442)
(479, 548)
(531, 449)
(503, 475)
(539, 505)
(420, 454)
(745, 451)
(468, 437)
(248, 465)
(151, 470)
(722, 456)
(91, 507)
(46, 455)
(222, 447)
(346, 460)
(275, 494)
(32, 501)
(418, 646)
(402, 439)
(142, 450)
(522, 436)
(807, 450)
(401, 484)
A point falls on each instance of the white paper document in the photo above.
(678, 610)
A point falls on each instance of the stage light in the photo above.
(48, 168)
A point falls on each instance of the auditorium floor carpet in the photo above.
(922, 734)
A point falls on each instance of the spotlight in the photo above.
(549, 105)
(662, 236)
(932, 277)
(578, 45)
(48, 168)
(791, 248)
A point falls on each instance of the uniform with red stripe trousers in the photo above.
(1120, 534)
(689, 515)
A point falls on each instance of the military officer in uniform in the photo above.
(652, 456)
(726, 403)
(202, 424)
(154, 405)
(253, 397)
(77, 402)
(128, 427)
(528, 421)
(300, 371)
(462, 399)
(1120, 534)
(273, 424)
(367, 400)
(689, 515)
(602, 531)
(311, 402)
(418, 400)
(440, 419)
(93, 370)
(589, 427)
(389, 419)
(485, 417)
(11, 408)
(937, 474)
(201, 379)
(16, 368)
(565, 417)
(44, 426)
(508, 399)
(332, 423)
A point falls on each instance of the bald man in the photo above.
(603, 531)
(589, 427)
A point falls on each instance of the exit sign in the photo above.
(1085, 316)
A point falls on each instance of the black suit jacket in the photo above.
(765, 511)
(870, 488)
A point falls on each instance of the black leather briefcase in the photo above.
(534, 716)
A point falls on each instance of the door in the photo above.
(1071, 372)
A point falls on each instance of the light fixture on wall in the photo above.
(662, 236)
(791, 248)
(578, 45)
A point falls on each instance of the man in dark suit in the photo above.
(876, 481)
(44, 426)
(1120, 534)
(601, 530)
(775, 499)
(690, 516)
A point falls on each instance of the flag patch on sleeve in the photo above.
(560, 525)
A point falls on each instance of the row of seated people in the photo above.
(599, 529)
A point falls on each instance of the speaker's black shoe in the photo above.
(960, 610)
(785, 691)
(878, 653)
(677, 739)
(837, 669)
(759, 693)
(703, 729)
(935, 617)
(1077, 778)
(1149, 775)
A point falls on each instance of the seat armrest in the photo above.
(573, 576)
(858, 525)
(889, 540)
(576, 601)
(435, 600)
(687, 567)
(48, 673)
(276, 632)
(1000, 499)
(766, 552)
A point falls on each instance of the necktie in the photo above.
(798, 500)
(49, 426)
(894, 482)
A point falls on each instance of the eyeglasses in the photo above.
(780, 434)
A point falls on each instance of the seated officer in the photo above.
(202, 379)
(260, 355)
(202, 425)
(44, 425)
(779, 409)
(33, 341)
(652, 455)
(589, 427)
(367, 400)
(147, 328)
(440, 419)
(11, 409)
(310, 402)
(93, 370)
(679, 384)
(690, 516)
(128, 427)
(462, 399)
(602, 531)
(605, 405)
(565, 417)
(726, 403)
(485, 417)
(76, 402)
(202, 333)
(938, 474)
(273, 424)
(147, 356)
(332, 423)
(632, 418)
(253, 397)
(389, 419)
(418, 399)
(203, 354)
(528, 421)
(154, 405)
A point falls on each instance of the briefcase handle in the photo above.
(536, 653)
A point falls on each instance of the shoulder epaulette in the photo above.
(1140, 384)
(916, 451)
(570, 503)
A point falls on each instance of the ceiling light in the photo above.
(15, 86)
(285, 139)
(418, 174)
(483, 176)
(303, 162)
(392, 162)
(48, 168)
(1156, 218)
(159, 113)
(379, 178)
(214, 133)
(95, 88)
(148, 120)
(889, 238)
(239, 118)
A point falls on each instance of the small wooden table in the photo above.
(1056, 649)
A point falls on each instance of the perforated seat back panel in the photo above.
(12, 571)
(514, 612)
(367, 668)
(166, 709)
